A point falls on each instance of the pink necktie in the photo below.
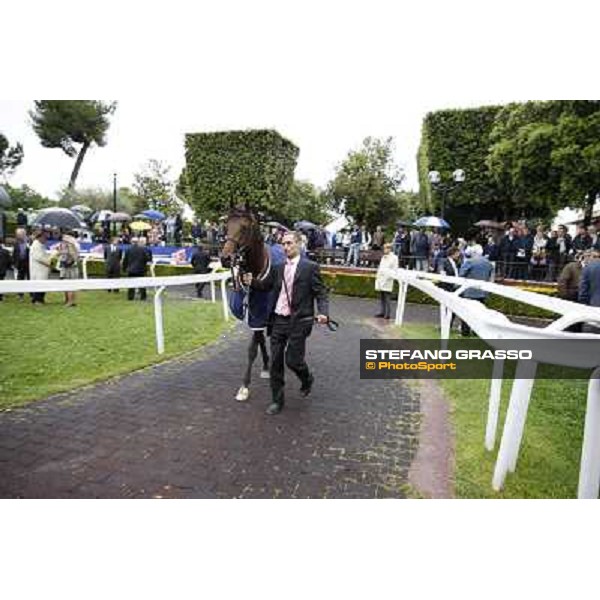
(289, 280)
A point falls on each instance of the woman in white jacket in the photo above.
(384, 282)
(39, 263)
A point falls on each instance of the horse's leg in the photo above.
(252, 354)
(244, 391)
(262, 342)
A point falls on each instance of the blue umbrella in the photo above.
(155, 215)
(431, 222)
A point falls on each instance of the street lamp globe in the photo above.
(458, 175)
(434, 176)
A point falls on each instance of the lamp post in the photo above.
(114, 201)
(458, 176)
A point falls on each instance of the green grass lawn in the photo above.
(548, 465)
(51, 348)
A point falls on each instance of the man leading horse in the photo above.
(296, 285)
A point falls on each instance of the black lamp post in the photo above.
(114, 201)
(458, 176)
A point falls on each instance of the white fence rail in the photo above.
(159, 283)
(493, 326)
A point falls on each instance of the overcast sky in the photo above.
(323, 74)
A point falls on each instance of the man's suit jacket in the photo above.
(135, 261)
(589, 286)
(308, 287)
(448, 270)
(113, 260)
(20, 263)
(476, 268)
(200, 261)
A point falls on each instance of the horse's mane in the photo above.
(240, 212)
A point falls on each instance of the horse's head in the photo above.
(244, 243)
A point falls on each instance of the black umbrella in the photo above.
(403, 223)
(5, 200)
(305, 225)
(63, 218)
(275, 224)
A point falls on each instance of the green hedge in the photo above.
(95, 268)
(224, 169)
(452, 139)
(363, 286)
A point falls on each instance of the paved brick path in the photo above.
(174, 430)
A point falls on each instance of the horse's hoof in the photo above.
(264, 374)
(242, 394)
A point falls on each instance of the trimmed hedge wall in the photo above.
(363, 286)
(224, 169)
(459, 139)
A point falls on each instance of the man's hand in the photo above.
(247, 278)
(322, 319)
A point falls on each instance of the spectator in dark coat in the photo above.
(524, 247)
(134, 264)
(20, 256)
(178, 229)
(508, 252)
(420, 250)
(476, 267)
(22, 219)
(112, 260)
(589, 287)
(200, 261)
(5, 264)
(582, 241)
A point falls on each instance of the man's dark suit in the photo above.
(200, 261)
(589, 285)
(134, 264)
(112, 258)
(292, 331)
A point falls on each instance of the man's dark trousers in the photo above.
(131, 291)
(287, 332)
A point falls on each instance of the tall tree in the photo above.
(154, 186)
(365, 184)
(305, 202)
(547, 154)
(73, 126)
(10, 158)
(26, 198)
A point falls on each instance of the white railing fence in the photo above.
(493, 326)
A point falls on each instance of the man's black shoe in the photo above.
(274, 408)
(307, 387)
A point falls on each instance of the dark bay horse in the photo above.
(246, 252)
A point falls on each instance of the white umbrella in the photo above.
(431, 222)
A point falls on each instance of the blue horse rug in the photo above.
(253, 307)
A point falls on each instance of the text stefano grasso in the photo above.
(386, 354)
